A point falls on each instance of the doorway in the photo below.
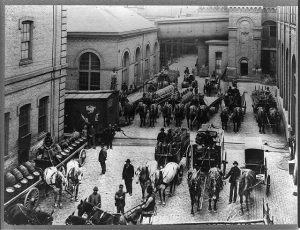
(244, 67)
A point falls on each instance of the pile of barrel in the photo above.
(163, 93)
(186, 95)
(19, 179)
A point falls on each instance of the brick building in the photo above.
(287, 71)
(104, 38)
(35, 70)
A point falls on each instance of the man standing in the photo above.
(110, 133)
(161, 137)
(234, 175)
(102, 159)
(120, 199)
(95, 198)
(127, 176)
(114, 82)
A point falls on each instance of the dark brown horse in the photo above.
(236, 118)
(187, 113)
(167, 112)
(195, 183)
(274, 116)
(215, 185)
(246, 183)
(224, 118)
(128, 112)
(193, 115)
(261, 119)
(153, 112)
(178, 114)
(202, 115)
(142, 110)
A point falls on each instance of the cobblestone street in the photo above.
(282, 203)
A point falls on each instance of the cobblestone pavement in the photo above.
(282, 203)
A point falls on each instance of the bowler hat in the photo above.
(95, 188)
(162, 129)
(128, 161)
(235, 163)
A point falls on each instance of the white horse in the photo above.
(167, 176)
(57, 180)
(74, 177)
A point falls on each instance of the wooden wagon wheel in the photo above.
(32, 199)
(82, 157)
(268, 185)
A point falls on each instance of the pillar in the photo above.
(172, 45)
(202, 53)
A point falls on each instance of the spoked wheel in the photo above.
(32, 199)
(82, 157)
(268, 185)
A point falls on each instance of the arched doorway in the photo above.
(244, 67)
(286, 76)
(137, 67)
(147, 63)
(125, 65)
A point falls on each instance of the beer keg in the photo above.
(10, 179)
(17, 174)
(29, 166)
(36, 175)
(18, 188)
(9, 193)
(24, 183)
(23, 170)
(30, 179)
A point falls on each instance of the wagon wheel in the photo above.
(32, 199)
(268, 185)
(82, 157)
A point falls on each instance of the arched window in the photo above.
(125, 65)
(89, 72)
(286, 76)
(155, 70)
(147, 63)
(137, 67)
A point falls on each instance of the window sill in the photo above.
(25, 62)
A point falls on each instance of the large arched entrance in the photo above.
(125, 65)
(147, 63)
(244, 67)
(137, 67)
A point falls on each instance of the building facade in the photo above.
(35, 70)
(111, 38)
(287, 72)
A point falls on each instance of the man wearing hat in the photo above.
(95, 198)
(234, 175)
(127, 176)
(161, 138)
(102, 158)
(120, 199)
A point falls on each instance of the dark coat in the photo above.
(234, 174)
(161, 137)
(128, 173)
(102, 155)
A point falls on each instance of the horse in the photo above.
(142, 110)
(167, 176)
(236, 118)
(274, 116)
(56, 180)
(18, 214)
(77, 220)
(153, 112)
(215, 185)
(195, 182)
(224, 118)
(261, 119)
(202, 115)
(100, 217)
(187, 113)
(74, 176)
(128, 112)
(178, 114)
(246, 183)
(193, 115)
(167, 111)
(145, 174)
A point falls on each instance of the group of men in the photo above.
(163, 140)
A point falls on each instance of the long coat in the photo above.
(128, 173)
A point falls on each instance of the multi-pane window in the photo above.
(24, 121)
(218, 62)
(26, 37)
(6, 133)
(89, 72)
(43, 111)
(273, 31)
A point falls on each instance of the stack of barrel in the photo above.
(19, 179)
(163, 93)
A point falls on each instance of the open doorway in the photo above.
(244, 67)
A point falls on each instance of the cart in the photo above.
(256, 161)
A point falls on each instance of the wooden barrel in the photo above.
(77, 142)
(9, 193)
(30, 179)
(17, 174)
(29, 166)
(10, 179)
(81, 140)
(71, 149)
(65, 154)
(36, 175)
(59, 157)
(24, 183)
(84, 138)
(23, 170)
(18, 188)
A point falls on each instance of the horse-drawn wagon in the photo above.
(211, 85)
(265, 109)
(188, 79)
(256, 161)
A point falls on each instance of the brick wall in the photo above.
(28, 83)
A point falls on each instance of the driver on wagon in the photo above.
(149, 204)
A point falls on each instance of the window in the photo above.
(6, 133)
(26, 37)
(89, 72)
(147, 63)
(125, 70)
(272, 31)
(218, 62)
(24, 121)
(43, 111)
